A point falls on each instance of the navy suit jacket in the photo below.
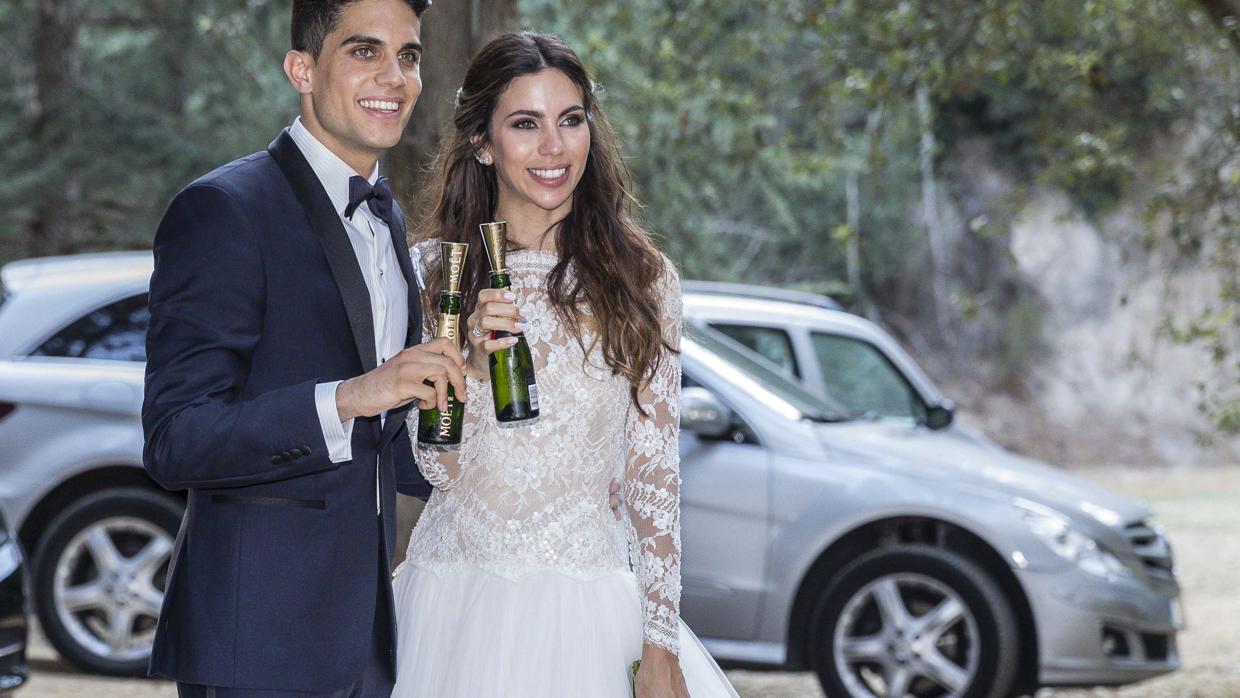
(256, 297)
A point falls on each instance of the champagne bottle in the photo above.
(512, 369)
(435, 426)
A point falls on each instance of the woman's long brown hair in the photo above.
(616, 268)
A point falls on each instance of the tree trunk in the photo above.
(57, 76)
(930, 210)
(852, 200)
(176, 24)
(451, 33)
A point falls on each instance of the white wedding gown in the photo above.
(519, 580)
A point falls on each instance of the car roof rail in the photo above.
(725, 288)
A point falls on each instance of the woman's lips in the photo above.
(551, 176)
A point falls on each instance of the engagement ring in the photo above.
(477, 332)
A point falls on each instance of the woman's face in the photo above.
(539, 142)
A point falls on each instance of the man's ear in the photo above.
(299, 68)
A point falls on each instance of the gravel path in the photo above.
(1200, 508)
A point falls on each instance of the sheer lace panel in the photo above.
(519, 499)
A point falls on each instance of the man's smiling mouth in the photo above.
(380, 106)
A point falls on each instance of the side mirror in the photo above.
(940, 416)
(703, 414)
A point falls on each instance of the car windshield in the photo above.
(758, 368)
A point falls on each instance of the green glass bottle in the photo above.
(435, 426)
(512, 370)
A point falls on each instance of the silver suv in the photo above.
(884, 560)
(1049, 579)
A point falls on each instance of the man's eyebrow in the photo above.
(539, 115)
(363, 40)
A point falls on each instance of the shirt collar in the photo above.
(332, 172)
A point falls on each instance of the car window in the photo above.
(857, 374)
(758, 369)
(116, 332)
(771, 342)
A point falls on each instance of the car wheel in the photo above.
(99, 576)
(914, 620)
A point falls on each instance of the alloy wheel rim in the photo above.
(906, 634)
(108, 587)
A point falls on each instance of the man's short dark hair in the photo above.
(313, 20)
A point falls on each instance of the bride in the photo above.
(519, 581)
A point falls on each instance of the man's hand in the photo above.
(403, 378)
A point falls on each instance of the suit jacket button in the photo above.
(305, 450)
(276, 460)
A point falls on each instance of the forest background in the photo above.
(1040, 199)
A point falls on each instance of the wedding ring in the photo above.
(477, 332)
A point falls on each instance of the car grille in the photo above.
(1153, 551)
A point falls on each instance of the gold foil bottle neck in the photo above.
(495, 241)
(452, 256)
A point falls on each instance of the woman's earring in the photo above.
(484, 159)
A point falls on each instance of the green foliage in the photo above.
(744, 124)
(167, 91)
(742, 121)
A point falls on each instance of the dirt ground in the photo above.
(1200, 509)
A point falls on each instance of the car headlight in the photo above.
(1058, 533)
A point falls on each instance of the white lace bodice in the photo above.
(513, 500)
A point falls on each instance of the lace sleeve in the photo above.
(652, 482)
(443, 466)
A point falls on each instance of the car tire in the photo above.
(957, 636)
(99, 574)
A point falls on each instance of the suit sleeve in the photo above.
(409, 479)
(207, 308)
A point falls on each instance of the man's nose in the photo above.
(391, 74)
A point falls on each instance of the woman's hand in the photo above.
(495, 310)
(659, 675)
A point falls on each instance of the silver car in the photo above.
(1078, 579)
(98, 531)
(889, 565)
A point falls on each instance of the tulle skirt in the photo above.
(468, 633)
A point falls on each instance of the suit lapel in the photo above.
(325, 222)
(401, 245)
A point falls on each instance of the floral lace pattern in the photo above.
(515, 500)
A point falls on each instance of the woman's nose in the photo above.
(551, 143)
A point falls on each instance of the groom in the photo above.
(283, 310)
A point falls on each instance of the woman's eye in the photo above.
(525, 124)
(574, 120)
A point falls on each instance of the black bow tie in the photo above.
(378, 197)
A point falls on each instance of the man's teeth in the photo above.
(380, 105)
(550, 174)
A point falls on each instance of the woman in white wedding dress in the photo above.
(519, 580)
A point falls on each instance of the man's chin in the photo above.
(383, 142)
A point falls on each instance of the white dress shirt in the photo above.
(389, 299)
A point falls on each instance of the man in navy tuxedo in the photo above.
(282, 365)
